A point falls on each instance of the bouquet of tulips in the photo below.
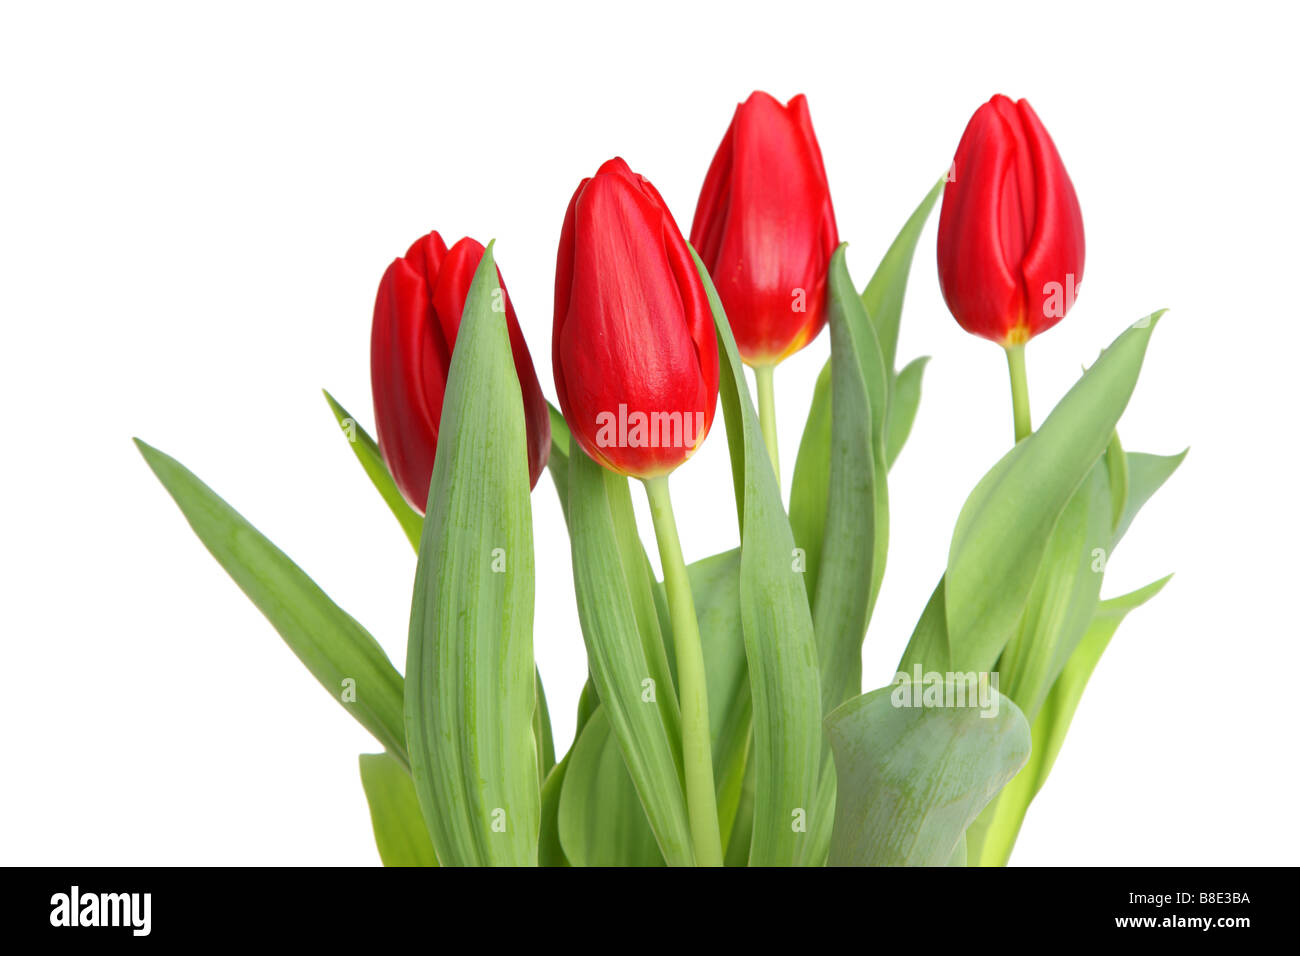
(723, 720)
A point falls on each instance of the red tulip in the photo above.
(1011, 233)
(634, 348)
(417, 313)
(765, 228)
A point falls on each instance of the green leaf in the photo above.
(1146, 473)
(338, 651)
(1117, 476)
(1005, 526)
(1064, 596)
(928, 647)
(904, 400)
(558, 463)
(542, 731)
(883, 296)
(779, 644)
(601, 822)
(856, 538)
(883, 301)
(625, 648)
(1000, 824)
(400, 833)
(912, 778)
(715, 587)
(549, 850)
(367, 452)
(810, 486)
(470, 680)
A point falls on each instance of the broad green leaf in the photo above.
(601, 822)
(997, 828)
(912, 778)
(338, 651)
(883, 295)
(1064, 596)
(367, 452)
(470, 679)
(1004, 528)
(1146, 473)
(779, 644)
(625, 650)
(904, 400)
(856, 537)
(400, 833)
(549, 850)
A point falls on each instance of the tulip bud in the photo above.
(765, 229)
(1011, 233)
(634, 349)
(417, 314)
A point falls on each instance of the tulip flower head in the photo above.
(765, 228)
(634, 348)
(1010, 234)
(417, 314)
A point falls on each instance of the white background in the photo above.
(198, 202)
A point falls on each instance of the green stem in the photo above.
(767, 415)
(1019, 391)
(697, 753)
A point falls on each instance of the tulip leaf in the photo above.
(856, 537)
(542, 731)
(558, 462)
(471, 685)
(883, 301)
(1146, 473)
(904, 400)
(549, 850)
(1117, 477)
(912, 776)
(367, 452)
(338, 651)
(997, 828)
(1063, 598)
(928, 647)
(625, 649)
(810, 485)
(1005, 526)
(715, 586)
(780, 647)
(601, 821)
(400, 834)
(883, 296)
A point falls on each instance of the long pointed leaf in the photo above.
(400, 834)
(470, 685)
(779, 642)
(338, 651)
(1004, 528)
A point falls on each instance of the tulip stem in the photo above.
(697, 753)
(767, 415)
(1019, 391)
